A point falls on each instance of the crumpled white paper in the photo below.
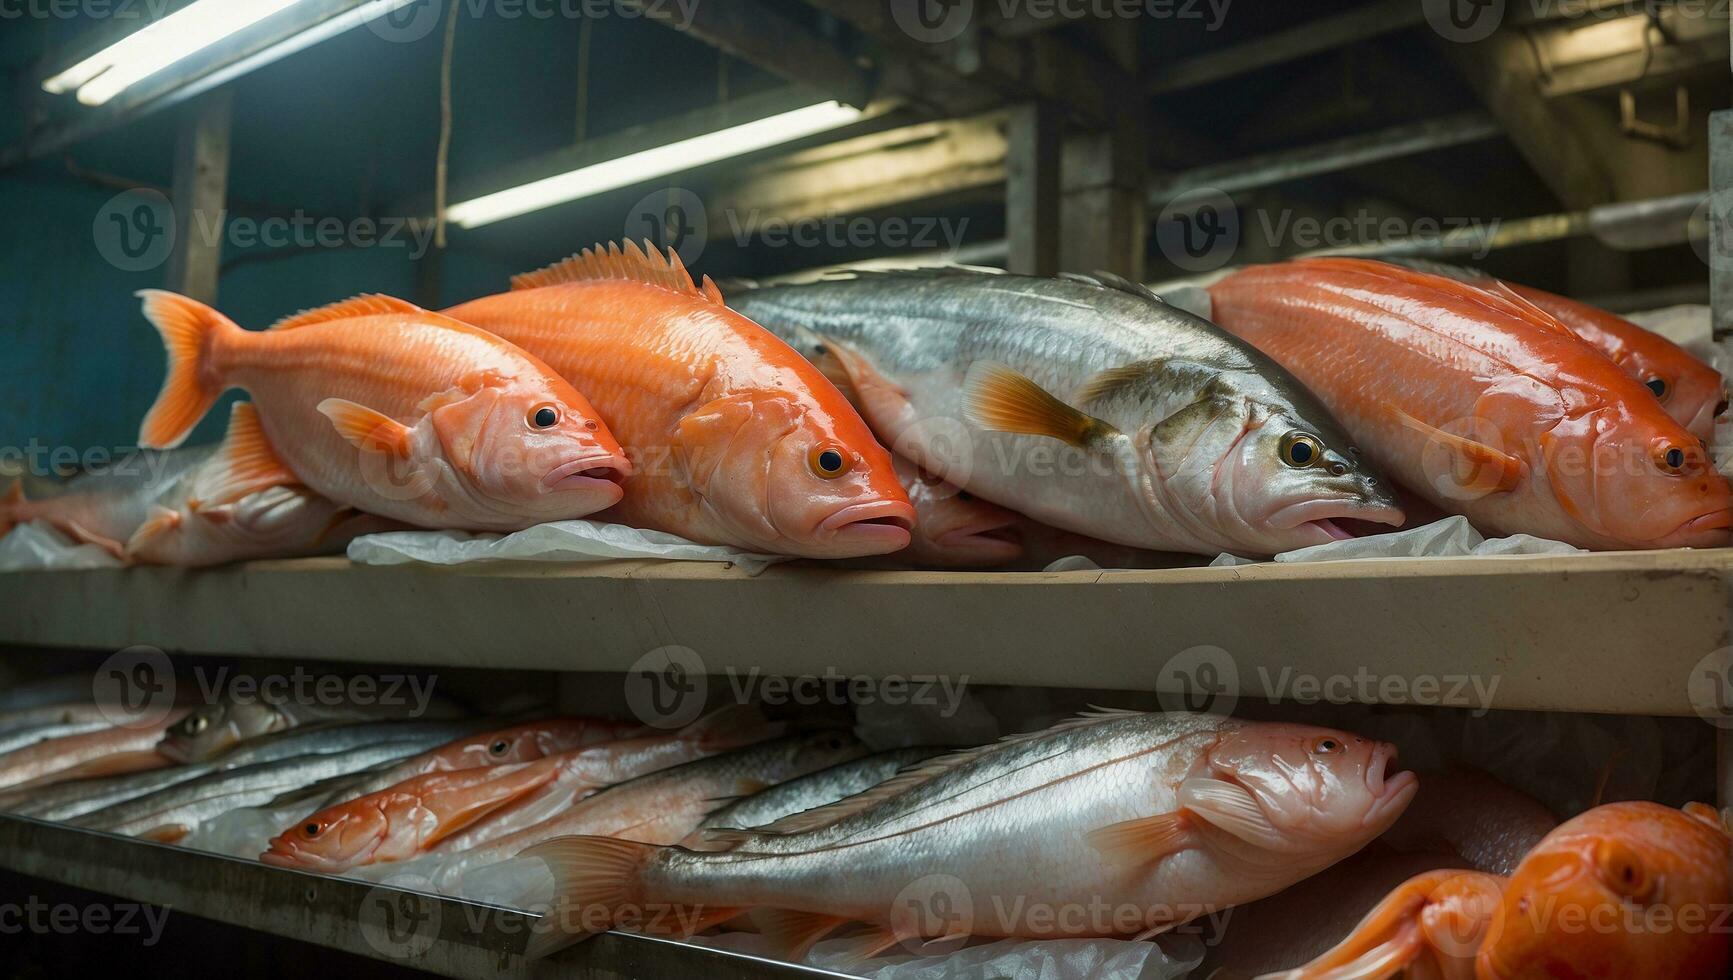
(37, 546)
(556, 541)
(1452, 537)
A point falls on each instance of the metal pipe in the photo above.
(1626, 225)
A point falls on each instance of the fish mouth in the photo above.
(877, 528)
(1391, 792)
(1316, 520)
(601, 472)
(1715, 520)
(990, 540)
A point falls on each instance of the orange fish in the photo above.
(104, 752)
(953, 527)
(1625, 891)
(1692, 392)
(525, 743)
(378, 404)
(739, 440)
(1486, 407)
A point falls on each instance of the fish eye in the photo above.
(1300, 450)
(1672, 459)
(828, 462)
(312, 829)
(1623, 871)
(1659, 386)
(544, 417)
(1326, 746)
(195, 724)
(499, 747)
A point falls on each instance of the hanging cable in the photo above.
(443, 160)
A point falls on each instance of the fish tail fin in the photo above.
(11, 504)
(594, 879)
(187, 327)
(732, 727)
(793, 933)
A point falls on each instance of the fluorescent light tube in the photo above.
(649, 164)
(187, 31)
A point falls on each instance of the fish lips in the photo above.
(876, 528)
(985, 540)
(1322, 515)
(1391, 792)
(602, 472)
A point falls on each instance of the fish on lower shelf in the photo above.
(1612, 892)
(1088, 405)
(1486, 407)
(386, 407)
(1169, 816)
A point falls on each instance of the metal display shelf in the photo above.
(443, 936)
(1615, 632)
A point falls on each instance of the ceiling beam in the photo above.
(1312, 37)
(751, 31)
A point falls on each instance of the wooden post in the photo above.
(1032, 189)
(201, 189)
(1102, 218)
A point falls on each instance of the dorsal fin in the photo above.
(1108, 280)
(904, 781)
(628, 262)
(367, 304)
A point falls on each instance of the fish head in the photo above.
(1630, 889)
(793, 477)
(529, 445)
(955, 527)
(215, 728)
(802, 754)
(1629, 473)
(1692, 392)
(331, 841)
(1277, 478)
(1322, 790)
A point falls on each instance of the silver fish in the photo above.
(1135, 822)
(662, 807)
(18, 738)
(64, 801)
(18, 719)
(214, 729)
(821, 788)
(203, 505)
(1090, 405)
(170, 814)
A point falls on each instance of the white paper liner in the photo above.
(37, 546)
(557, 541)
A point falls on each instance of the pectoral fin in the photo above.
(883, 402)
(998, 398)
(367, 430)
(1144, 839)
(1231, 808)
(244, 464)
(161, 522)
(1476, 465)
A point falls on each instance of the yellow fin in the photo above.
(628, 262)
(367, 304)
(244, 464)
(998, 398)
(1113, 379)
(1478, 466)
(162, 521)
(365, 429)
(1143, 839)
